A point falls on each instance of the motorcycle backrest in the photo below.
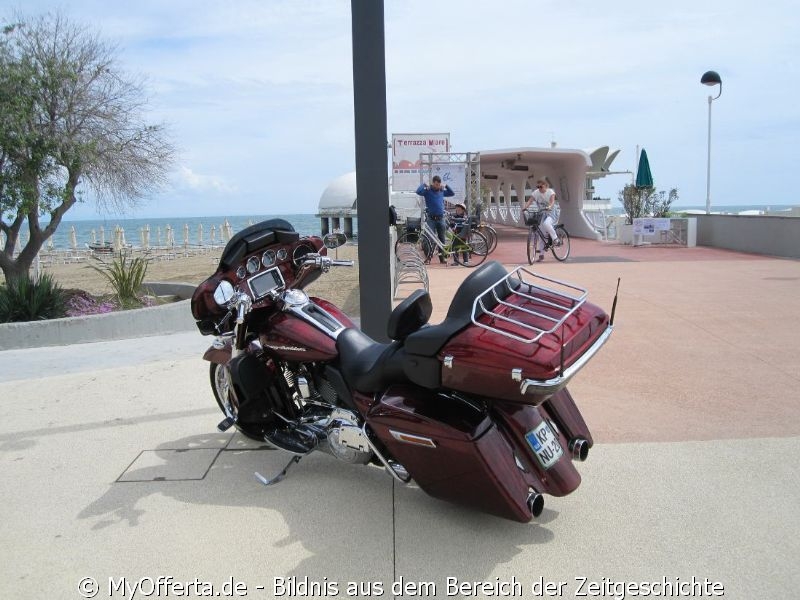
(411, 314)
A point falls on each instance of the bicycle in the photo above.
(426, 242)
(487, 231)
(560, 251)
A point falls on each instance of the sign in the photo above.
(406, 164)
(649, 225)
(454, 175)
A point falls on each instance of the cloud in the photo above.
(259, 94)
(186, 178)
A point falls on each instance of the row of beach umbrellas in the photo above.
(162, 238)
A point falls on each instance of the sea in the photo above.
(90, 231)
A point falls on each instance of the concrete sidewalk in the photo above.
(112, 466)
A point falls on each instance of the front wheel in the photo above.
(221, 386)
(416, 240)
(561, 251)
(533, 240)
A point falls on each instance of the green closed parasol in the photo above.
(644, 178)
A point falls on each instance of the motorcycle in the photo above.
(475, 409)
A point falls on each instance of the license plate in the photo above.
(545, 445)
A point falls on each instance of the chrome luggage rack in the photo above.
(569, 298)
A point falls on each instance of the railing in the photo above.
(526, 316)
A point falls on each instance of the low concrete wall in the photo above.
(772, 236)
(154, 320)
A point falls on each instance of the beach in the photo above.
(340, 285)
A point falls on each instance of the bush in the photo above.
(646, 202)
(24, 299)
(126, 276)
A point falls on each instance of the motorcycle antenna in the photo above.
(614, 304)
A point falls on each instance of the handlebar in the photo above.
(324, 263)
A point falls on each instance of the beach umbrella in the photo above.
(141, 236)
(94, 236)
(124, 243)
(644, 178)
(147, 236)
(170, 236)
(228, 230)
(102, 236)
(199, 234)
(50, 243)
(213, 234)
(73, 238)
(158, 234)
(185, 234)
(117, 238)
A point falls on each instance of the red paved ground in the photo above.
(706, 342)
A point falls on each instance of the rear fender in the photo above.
(519, 420)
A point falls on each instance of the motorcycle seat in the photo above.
(369, 366)
(429, 340)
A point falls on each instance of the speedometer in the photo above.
(268, 258)
(300, 252)
(253, 264)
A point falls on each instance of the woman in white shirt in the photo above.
(545, 199)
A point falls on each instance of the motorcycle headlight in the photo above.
(224, 293)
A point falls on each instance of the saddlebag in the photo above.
(452, 449)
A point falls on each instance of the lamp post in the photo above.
(710, 78)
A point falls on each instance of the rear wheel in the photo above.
(476, 247)
(533, 240)
(561, 251)
(491, 236)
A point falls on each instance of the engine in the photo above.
(313, 420)
(346, 440)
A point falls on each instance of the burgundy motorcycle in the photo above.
(474, 409)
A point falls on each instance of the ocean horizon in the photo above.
(192, 228)
(94, 230)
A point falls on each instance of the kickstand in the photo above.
(279, 476)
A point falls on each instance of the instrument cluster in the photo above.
(284, 261)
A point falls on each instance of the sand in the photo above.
(339, 285)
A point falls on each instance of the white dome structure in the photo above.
(337, 205)
(340, 194)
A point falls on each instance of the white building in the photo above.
(507, 178)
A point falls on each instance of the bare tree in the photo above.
(70, 122)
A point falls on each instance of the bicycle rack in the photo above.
(410, 267)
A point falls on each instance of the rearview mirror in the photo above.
(334, 240)
(224, 293)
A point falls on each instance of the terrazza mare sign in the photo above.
(406, 163)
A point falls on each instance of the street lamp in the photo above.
(710, 78)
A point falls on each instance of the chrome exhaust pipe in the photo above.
(535, 504)
(579, 448)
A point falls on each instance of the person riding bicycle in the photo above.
(434, 195)
(545, 199)
(460, 224)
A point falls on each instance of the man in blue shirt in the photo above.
(434, 195)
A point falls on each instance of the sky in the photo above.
(258, 94)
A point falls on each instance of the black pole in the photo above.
(372, 180)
